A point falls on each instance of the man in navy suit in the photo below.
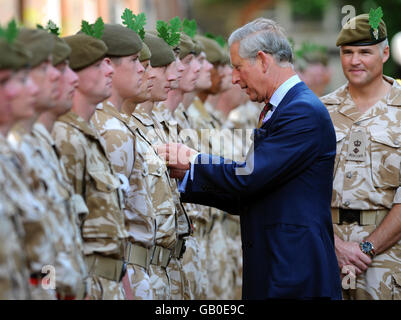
(282, 191)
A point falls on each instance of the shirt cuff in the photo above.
(182, 185)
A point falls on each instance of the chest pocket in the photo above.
(106, 182)
(385, 158)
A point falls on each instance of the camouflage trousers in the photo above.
(139, 281)
(219, 267)
(160, 282)
(192, 267)
(382, 280)
(178, 282)
(103, 289)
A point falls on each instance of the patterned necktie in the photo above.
(266, 108)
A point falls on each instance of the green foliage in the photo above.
(10, 33)
(94, 30)
(51, 27)
(169, 32)
(308, 47)
(311, 9)
(134, 22)
(375, 17)
(219, 39)
(189, 27)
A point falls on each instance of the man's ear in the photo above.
(386, 54)
(264, 60)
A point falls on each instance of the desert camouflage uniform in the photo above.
(371, 184)
(72, 210)
(220, 267)
(92, 176)
(178, 130)
(117, 134)
(14, 274)
(179, 285)
(246, 115)
(28, 148)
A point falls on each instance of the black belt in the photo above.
(349, 216)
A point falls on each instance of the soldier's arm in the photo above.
(72, 155)
(388, 232)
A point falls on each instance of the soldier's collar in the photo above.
(394, 96)
(41, 130)
(77, 122)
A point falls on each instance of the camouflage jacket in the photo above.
(68, 276)
(166, 121)
(75, 208)
(368, 161)
(118, 137)
(14, 272)
(92, 176)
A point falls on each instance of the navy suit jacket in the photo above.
(283, 203)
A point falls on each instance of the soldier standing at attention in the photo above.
(14, 268)
(72, 207)
(118, 139)
(91, 173)
(366, 201)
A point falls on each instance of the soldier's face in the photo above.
(190, 74)
(95, 81)
(146, 84)
(204, 80)
(46, 77)
(216, 78)
(161, 86)
(363, 64)
(177, 67)
(127, 78)
(25, 96)
(226, 73)
(68, 84)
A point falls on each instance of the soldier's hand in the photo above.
(349, 254)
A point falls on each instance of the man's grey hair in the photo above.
(262, 35)
(382, 45)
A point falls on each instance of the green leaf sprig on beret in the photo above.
(189, 27)
(219, 39)
(169, 32)
(134, 22)
(10, 33)
(375, 16)
(51, 27)
(94, 30)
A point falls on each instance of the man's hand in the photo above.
(349, 254)
(177, 155)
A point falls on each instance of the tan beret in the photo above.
(39, 42)
(186, 45)
(213, 51)
(85, 50)
(362, 34)
(61, 51)
(162, 53)
(145, 53)
(198, 47)
(13, 56)
(121, 41)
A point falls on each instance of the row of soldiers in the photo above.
(88, 209)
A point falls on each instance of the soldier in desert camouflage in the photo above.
(14, 267)
(118, 136)
(366, 114)
(91, 173)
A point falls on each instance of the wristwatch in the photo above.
(367, 248)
